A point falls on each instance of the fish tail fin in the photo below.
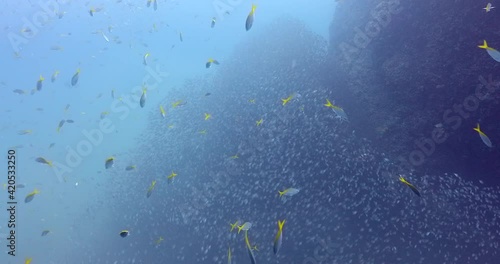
(484, 46)
(281, 193)
(478, 129)
(281, 224)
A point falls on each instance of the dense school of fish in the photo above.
(437, 194)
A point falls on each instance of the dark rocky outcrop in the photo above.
(403, 69)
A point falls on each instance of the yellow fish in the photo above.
(54, 76)
(249, 249)
(162, 111)
(31, 195)
(233, 226)
(250, 17)
(44, 161)
(278, 240)
(413, 188)
(109, 162)
(39, 83)
(171, 177)
(286, 100)
(151, 189)
(483, 136)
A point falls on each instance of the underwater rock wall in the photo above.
(408, 72)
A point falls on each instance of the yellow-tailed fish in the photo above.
(91, 11)
(235, 156)
(339, 112)
(207, 116)
(44, 161)
(45, 232)
(178, 103)
(39, 83)
(249, 249)
(159, 240)
(289, 192)
(213, 22)
(286, 100)
(109, 162)
(131, 167)
(210, 61)
(54, 76)
(28, 260)
(259, 122)
(245, 227)
(24, 132)
(229, 256)
(488, 7)
(483, 136)
(171, 177)
(252, 101)
(491, 51)
(61, 123)
(124, 233)
(233, 226)
(31, 195)
(162, 111)
(104, 114)
(278, 240)
(203, 132)
(151, 189)
(76, 76)
(142, 102)
(148, 4)
(145, 59)
(250, 17)
(413, 188)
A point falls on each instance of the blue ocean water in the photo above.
(312, 97)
